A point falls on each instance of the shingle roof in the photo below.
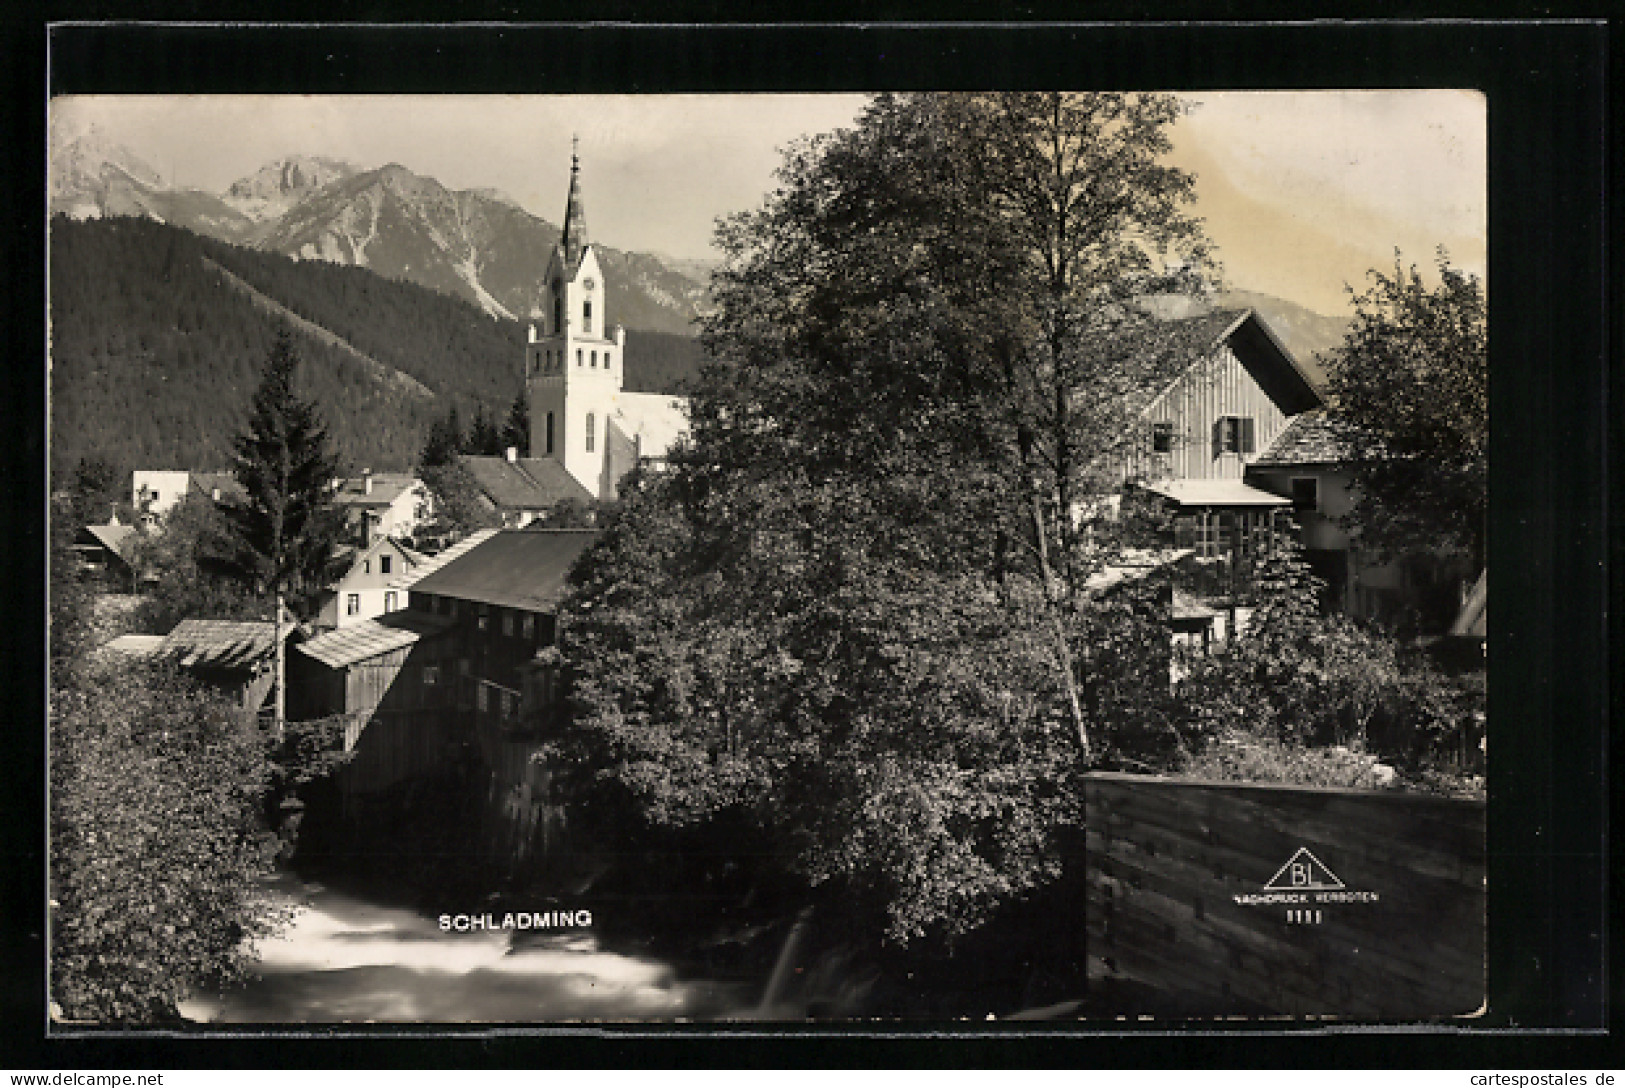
(221, 644)
(432, 563)
(1311, 438)
(369, 638)
(1168, 348)
(528, 483)
(1215, 493)
(386, 488)
(512, 568)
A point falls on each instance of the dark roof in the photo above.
(205, 483)
(1169, 348)
(386, 488)
(528, 483)
(512, 568)
(369, 638)
(1309, 439)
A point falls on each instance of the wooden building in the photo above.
(232, 656)
(384, 677)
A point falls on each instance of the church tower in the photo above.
(573, 365)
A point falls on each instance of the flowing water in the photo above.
(344, 959)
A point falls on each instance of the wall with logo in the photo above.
(1215, 899)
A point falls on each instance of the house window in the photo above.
(586, 320)
(431, 675)
(507, 624)
(549, 446)
(389, 601)
(1207, 537)
(592, 360)
(606, 360)
(384, 563)
(352, 604)
(1162, 438)
(1305, 493)
(527, 626)
(482, 697)
(1232, 434)
(578, 356)
(484, 620)
(589, 432)
(366, 566)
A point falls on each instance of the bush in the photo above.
(157, 843)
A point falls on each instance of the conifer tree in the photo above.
(287, 523)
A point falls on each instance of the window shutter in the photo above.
(1246, 445)
(1218, 437)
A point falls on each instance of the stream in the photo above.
(344, 959)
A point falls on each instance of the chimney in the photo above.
(215, 494)
(512, 453)
(366, 481)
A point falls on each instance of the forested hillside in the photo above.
(155, 352)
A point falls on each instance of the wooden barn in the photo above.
(387, 677)
(232, 656)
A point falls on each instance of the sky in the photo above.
(1303, 192)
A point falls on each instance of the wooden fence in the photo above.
(1239, 900)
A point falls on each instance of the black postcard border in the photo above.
(1550, 456)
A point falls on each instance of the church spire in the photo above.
(575, 217)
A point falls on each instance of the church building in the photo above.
(575, 362)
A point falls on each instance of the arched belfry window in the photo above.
(589, 432)
(586, 317)
(549, 441)
(558, 308)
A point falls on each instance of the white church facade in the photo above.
(575, 363)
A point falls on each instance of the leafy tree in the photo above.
(855, 612)
(194, 568)
(459, 505)
(157, 847)
(287, 524)
(1410, 383)
(958, 281)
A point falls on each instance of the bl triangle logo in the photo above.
(1303, 872)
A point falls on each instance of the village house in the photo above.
(156, 492)
(377, 505)
(365, 590)
(521, 489)
(1309, 463)
(104, 555)
(465, 668)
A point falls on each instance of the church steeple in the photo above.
(575, 217)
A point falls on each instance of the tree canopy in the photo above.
(853, 613)
(1411, 385)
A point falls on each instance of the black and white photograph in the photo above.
(856, 559)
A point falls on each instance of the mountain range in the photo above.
(475, 244)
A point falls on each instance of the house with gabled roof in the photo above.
(383, 504)
(365, 589)
(104, 552)
(521, 489)
(1308, 464)
(1220, 389)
